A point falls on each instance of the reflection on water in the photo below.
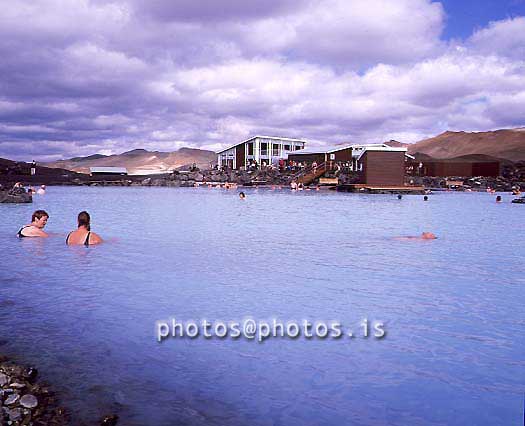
(453, 307)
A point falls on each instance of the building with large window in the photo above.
(262, 149)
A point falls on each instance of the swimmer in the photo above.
(425, 198)
(498, 199)
(35, 228)
(399, 196)
(423, 236)
(242, 195)
(428, 236)
(83, 235)
(41, 190)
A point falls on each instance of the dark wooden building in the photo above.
(465, 166)
(375, 164)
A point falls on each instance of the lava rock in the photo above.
(110, 420)
(17, 385)
(14, 414)
(31, 374)
(29, 401)
(12, 399)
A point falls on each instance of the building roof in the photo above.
(355, 147)
(262, 137)
(118, 170)
(322, 149)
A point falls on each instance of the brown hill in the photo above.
(141, 161)
(507, 144)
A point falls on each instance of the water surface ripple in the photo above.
(453, 308)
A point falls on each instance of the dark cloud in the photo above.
(215, 11)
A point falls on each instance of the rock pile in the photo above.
(23, 401)
(500, 183)
(6, 197)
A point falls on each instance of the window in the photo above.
(264, 148)
(287, 147)
(275, 150)
(250, 148)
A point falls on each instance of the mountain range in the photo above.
(141, 161)
(505, 144)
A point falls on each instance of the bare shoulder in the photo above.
(33, 231)
(95, 238)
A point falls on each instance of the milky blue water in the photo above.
(453, 308)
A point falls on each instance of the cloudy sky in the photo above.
(91, 76)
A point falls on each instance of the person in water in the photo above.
(242, 195)
(423, 236)
(83, 235)
(35, 228)
(498, 199)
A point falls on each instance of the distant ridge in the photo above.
(141, 161)
(505, 144)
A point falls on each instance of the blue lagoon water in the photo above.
(453, 308)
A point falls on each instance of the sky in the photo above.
(90, 76)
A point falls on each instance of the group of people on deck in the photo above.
(81, 236)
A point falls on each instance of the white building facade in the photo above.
(264, 150)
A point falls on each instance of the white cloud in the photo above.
(101, 76)
(503, 38)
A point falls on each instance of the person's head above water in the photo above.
(84, 220)
(425, 198)
(428, 236)
(399, 196)
(242, 195)
(39, 218)
(498, 199)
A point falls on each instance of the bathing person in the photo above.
(399, 196)
(83, 235)
(428, 236)
(423, 236)
(425, 198)
(35, 228)
(17, 189)
(242, 195)
(41, 190)
(498, 199)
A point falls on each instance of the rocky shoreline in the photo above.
(25, 401)
(6, 197)
(268, 177)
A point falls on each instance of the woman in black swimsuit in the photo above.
(83, 235)
(35, 228)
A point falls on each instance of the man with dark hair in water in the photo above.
(35, 228)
